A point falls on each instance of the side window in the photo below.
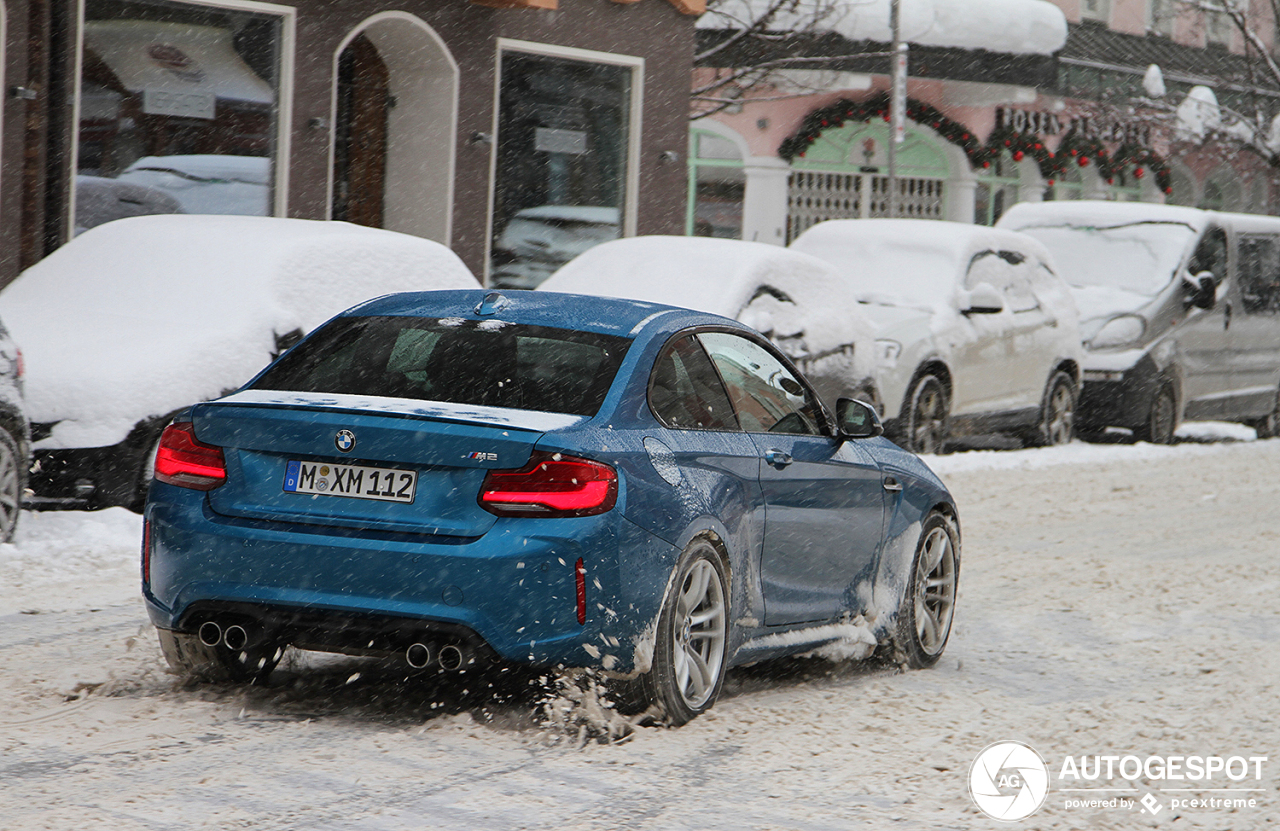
(1002, 270)
(685, 393)
(1258, 266)
(1210, 255)
(987, 267)
(765, 394)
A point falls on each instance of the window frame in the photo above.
(287, 16)
(635, 127)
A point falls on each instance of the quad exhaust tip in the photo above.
(418, 655)
(235, 637)
(451, 658)
(210, 633)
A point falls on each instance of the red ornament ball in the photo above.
(1168, 191)
(1083, 161)
(985, 165)
(1051, 183)
(1138, 173)
(1018, 156)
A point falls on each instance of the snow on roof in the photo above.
(718, 276)
(143, 316)
(1014, 26)
(908, 262)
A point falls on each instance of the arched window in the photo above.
(717, 187)
(844, 175)
(1070, 185)
(997, 190)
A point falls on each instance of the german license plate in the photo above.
(354, 481)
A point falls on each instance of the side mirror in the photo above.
(857, 420)
(983, 300)
(1201, 290)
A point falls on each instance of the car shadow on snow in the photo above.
(372, 691)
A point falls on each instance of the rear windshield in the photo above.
(491, 363)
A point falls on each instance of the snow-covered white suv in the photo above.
(976, 332)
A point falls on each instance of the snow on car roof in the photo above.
(143, 316)
(718, 276)
(571, 213)
(1014, 26)
(253, 169)
(907, 262)
(1098, 213)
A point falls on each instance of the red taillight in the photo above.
(184, 461)
(552, 484)
(580, 578)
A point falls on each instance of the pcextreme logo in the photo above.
(1010, 781)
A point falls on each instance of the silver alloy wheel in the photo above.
(935, 598)
(1060, 415)
(698, 636)
(928, 416)
(10, 488)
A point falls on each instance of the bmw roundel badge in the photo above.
(345, 440)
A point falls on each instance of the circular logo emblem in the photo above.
(345, 440)
(1008, 781)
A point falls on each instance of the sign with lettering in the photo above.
(190, 104)
(1103, 128)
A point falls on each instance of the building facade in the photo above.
(1083, 118)
(502, 128)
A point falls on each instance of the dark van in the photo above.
(1179, 312)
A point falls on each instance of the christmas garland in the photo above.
(1074, 148)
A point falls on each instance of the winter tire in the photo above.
(12, 481)
(189, 656)
(1162, 418)
(690, 650)
(1057, 413)
(924, 621)
(926, 422)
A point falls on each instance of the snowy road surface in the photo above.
(1114, 600)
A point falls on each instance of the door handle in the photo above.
(892, 485)
(1226, 315)
(778, 458)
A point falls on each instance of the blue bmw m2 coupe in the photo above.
(462, 477)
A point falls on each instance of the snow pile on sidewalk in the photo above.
(71, 560)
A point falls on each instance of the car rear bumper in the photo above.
(512, 590)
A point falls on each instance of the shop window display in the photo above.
(562, 145)
(178, 106)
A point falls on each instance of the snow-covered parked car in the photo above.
(1179, 308)
(207, 183)
(976, 332)
(136, 319)
(15, 435)
(795, 300)
(539, 240)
